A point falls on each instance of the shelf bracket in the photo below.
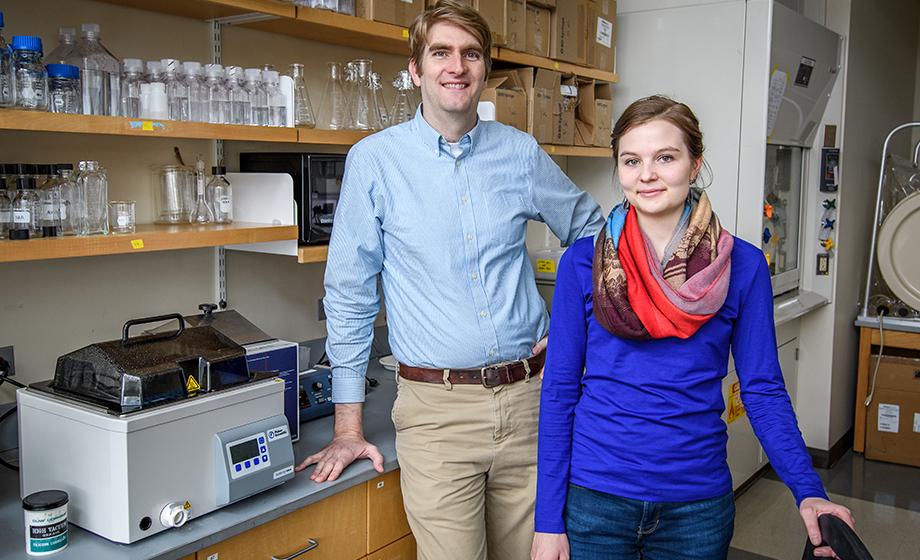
(243, 19)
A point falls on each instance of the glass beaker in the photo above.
(303, 109)
(174, 194)
(363, 103)
(334, 113)
(121, 216)
(404, 104)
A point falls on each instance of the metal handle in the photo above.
(157, 319)
(311, 544)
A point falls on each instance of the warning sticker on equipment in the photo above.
(735, 406)
(191, 386)
(888, 417)
(283, 472)
(546, 265)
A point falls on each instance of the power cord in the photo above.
(878, 358)
(4, 376)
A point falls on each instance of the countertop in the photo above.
(235, 518)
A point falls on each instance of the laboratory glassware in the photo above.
(176, 90)
(334, 113)
(154, 104)
(363, 103)
(202, 213)
(6, 72)
(100, 73)
(92, 199)
(197, 91)
(257, 96)
(175, 194)
(64, 89)
(218, 103)
(132, 78)
(49, 217)
(277, 101)
(29, 76)
(404, 103)
(220, 195)
(240, 105)
(121, 216)
(6, 207)
(66, 43)
(67, 181)
(379, 100)
(303, 109)
(23, 224)
(154, 72)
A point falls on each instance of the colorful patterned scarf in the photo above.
(635, 297)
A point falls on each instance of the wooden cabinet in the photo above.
(337, 524)
(367, 519)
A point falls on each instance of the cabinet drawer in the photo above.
(403, 549)
(386, 518)
(337, 524)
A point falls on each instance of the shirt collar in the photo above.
(434, 140)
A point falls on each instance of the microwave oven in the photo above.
(317, 184)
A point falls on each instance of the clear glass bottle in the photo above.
(333, 113)
(346, 7)
(176, 90)
(220, 195)
(404, 103)
(6, 207)
(43, 172)
(197, 91)
(303, 109)
(67, 41)
(66, 180)
(100, 73)
(218, 103)
(7, 95)
(29, 76)
(49, 216)
(363, 102)
(379, 99)
(277, 101)
(257, 96)
(131, 79)
(64, 89)
(24, 224)
(92, 199)
(202, 213)
(240, 105)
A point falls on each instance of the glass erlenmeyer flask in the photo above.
(379, 100)
(334, 113)
(404, 104)
(303, 110)
(363, 102)
(202, 212)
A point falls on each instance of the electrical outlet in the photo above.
(6, 353)
(321, 311)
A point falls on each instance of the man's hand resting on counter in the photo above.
(346, 446)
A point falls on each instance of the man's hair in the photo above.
(455, 13)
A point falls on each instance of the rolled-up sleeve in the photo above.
(352, 299)
(568, 211)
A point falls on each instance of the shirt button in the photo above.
(493, 352)
(457, 163)
(474, 276)
(483, 313)
(464, 199)
(469, 237)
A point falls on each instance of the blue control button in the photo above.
(265, 458)
(271, 435)
(256, 461)
(261, 439)
(248, 464)
(239, 468)
(262, 449)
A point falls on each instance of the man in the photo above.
(437, 207)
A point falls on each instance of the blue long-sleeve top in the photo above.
(641, 419)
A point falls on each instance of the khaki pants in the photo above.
(468, 463)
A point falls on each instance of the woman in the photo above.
(632, 447)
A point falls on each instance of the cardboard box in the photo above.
(602, 35)
(538, 32)
(564, 112)
(508, 102)
(538, 85)
(569, 28)
(396, 12)
(594, 114)
(493, 11)
(893, 419)
(515, 25)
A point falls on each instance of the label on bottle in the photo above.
(48, 212)
(224, 205)
(63, 211)
(122, 221)
(22, 217)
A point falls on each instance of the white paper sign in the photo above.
(778, 82)
(604, 32)
(888, 417)
(917, 422)
(568, 90)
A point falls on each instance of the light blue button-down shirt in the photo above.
(446, 236)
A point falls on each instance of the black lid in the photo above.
(44, 500)
(2, 183)
(7, 168)
(58, 167)
(44, 169)
(24, 169)
(25, 183)
(218, 170)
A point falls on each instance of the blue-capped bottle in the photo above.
(29, 75)
(64, 89)
(6, 71)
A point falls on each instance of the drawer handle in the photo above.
(311, 544)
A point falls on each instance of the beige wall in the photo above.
(52, 307)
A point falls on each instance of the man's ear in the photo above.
(414, 72)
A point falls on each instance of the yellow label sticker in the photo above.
(405, 33)
(187, 505)
(546, 265)
(147, 125)
(555, 66)
(735, 406)
(137, 243)
(191, 386)
(551, 149)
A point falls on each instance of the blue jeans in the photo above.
(606, 527)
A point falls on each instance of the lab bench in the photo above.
(358, 516)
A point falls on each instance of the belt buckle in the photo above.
(503, 367)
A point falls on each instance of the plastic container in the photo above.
(67, 42)
(131, 79)
(277, 101)
(176, 90)
(100, 73)
(197, 91)
(29, 76)
(64, 89)
(257, 96)
(45, 522)
(240, 104)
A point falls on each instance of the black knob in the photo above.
(207, 309)
(317, 386)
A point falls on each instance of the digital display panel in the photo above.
(243, 451)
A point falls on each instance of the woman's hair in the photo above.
(659, 107)
(456, 13)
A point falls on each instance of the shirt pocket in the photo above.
(506, 215)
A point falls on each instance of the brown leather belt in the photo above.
(489, 376)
